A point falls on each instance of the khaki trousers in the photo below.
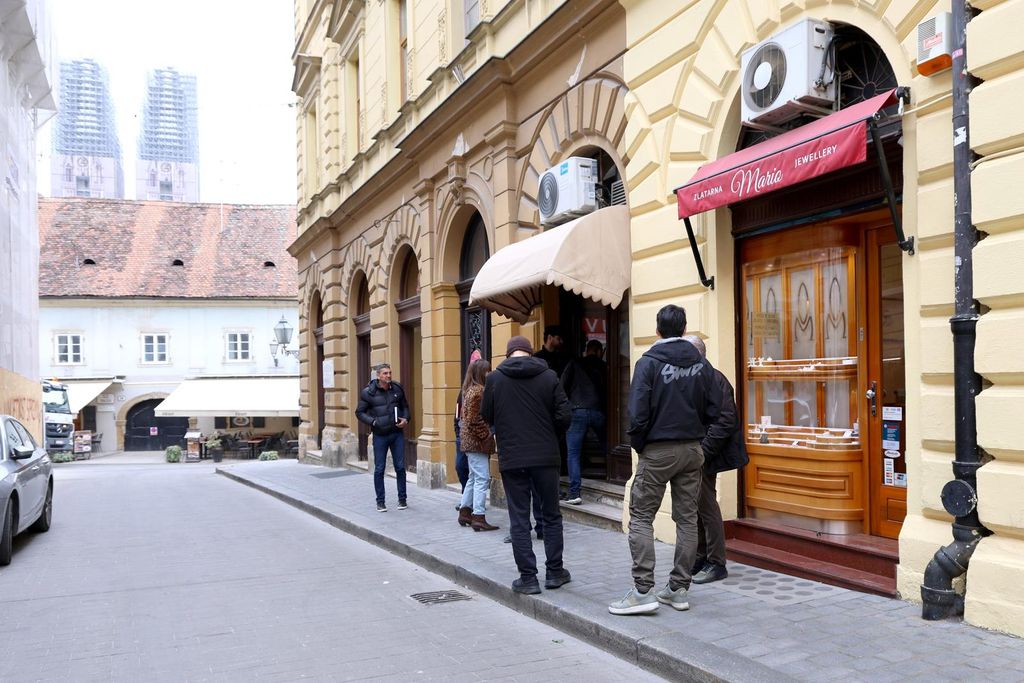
(679, 463)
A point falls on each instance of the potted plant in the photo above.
(268, 455)
(172, 454)
(215, 447)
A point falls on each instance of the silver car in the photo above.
(26, 485)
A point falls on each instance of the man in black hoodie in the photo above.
(672, 400)
(383, 406)
(527, 408)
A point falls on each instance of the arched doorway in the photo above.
(821, 333)
(410, 348)
(584, 320)
(144, 431)
(360, 306)
(316, 326)
(475, 321)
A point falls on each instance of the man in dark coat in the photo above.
(672, 400)
(526, 406)
(383, 406)
(585, 382)
(551, 350)
(724, 449)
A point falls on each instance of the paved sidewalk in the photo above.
(754, 626)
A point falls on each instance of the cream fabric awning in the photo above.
(81, 394)
(233, 396)
(589, 256)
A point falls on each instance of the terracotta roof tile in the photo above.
(134, 243)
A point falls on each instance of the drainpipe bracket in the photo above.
(959, 498)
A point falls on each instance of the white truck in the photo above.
(58, 422)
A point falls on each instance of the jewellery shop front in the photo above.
(816, 218)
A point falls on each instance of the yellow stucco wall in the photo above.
(359, 121)
(682, 66)
(532, 83)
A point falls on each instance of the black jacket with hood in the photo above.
(673, 396)
(525, 405)
(377, 407)
(724, 446)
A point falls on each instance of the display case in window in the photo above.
(801, 381)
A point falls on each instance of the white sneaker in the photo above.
(635, 602)
(673, 598)
(574, 501)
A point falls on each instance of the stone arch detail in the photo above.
(314, 282)
(404, 228)
(453, 201)
(122, 413)
(358, 256)
(594, 113)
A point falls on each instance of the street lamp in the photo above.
(282, 335)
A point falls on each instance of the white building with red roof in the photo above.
(161, 318)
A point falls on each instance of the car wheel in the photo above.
(7, 535)
(43, 523)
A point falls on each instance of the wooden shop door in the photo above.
(823, 357)
(885, 395)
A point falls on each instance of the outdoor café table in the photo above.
(253, 443)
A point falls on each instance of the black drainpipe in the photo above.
(959, 496)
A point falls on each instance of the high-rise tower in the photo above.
(168, 157)
(86, 158)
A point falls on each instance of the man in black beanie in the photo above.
(525, 405)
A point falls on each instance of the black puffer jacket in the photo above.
(526, 406)
(377, 407)
(584, 381)
(724, 446)
(673, 396)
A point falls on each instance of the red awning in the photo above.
(828, 144)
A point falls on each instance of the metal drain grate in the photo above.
(332, 475)
(438, 597)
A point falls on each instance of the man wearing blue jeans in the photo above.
(585, 382)
(383, 406)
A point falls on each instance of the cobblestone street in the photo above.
(157, 572)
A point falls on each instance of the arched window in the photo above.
(474, 249)
(409, 281)
(476, 322)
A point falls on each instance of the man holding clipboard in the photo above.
(383, 406)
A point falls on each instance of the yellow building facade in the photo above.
(682, 67)
(423, 131)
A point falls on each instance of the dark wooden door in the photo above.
(362, 379)
(411, 357)
(321, 397)
(144, 431)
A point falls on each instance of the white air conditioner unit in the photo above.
(783, 76)
(568, 190)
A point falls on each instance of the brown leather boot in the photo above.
(465, 516)
(480, 523)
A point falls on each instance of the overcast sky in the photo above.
(240, 52)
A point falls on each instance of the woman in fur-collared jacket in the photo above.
(478, 445)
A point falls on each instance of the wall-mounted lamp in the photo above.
(282, 336)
